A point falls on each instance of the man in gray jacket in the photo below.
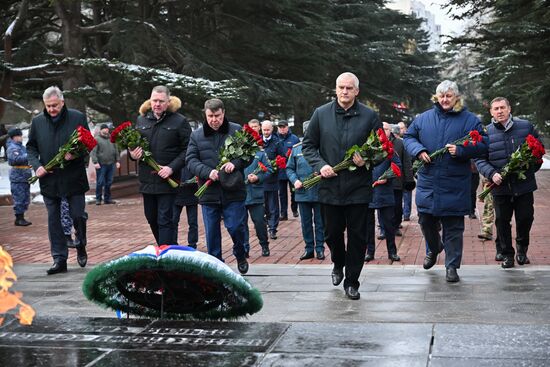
(105, 158)
(334, 128)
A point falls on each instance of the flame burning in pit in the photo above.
(9, 300)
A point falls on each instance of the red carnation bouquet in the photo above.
(377, 148)
(529, 153)
(243, 144)
(278, 163)
(260, 168)
(391, 172)
(80, 142)
(472, 138)
(127, 137)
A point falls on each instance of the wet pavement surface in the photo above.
(407, 316)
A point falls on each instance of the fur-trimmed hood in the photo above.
(175, 104)
(459, 105)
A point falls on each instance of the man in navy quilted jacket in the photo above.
(512, 194)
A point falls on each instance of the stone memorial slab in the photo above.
(114, 342)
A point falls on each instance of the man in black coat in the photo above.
(49, 131)
(168, 135)
(226, 194)
(334, 128)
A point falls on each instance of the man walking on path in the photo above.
(334, 128)
(168, 135)
(226, 194)
(512, 195)
(443, 186)
(49, 131)
(105, 158)
(287, 140)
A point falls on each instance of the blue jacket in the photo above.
(501, 146)
(287, 142)
(382, 195)
(17, 156)
(272, 149)
(443, 186)
(255, 191)
(297, 168)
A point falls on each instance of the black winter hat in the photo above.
(103, 126)
(15, 131)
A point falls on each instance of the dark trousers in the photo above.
(58, 243)
(104, 180)
(21, 196)
(271, 203)
(310, 216)
(353, 219)
(398, 208)
(284, 186)
(192, 223)
(524, 212)
(159, 212)
(234, 215)
(453, 231)
(473, 192)
(256, 212)
(385, 217)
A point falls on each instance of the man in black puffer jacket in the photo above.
(334, 128)
(512, 194)
(168, 135)
(221, 197)
(49, 131)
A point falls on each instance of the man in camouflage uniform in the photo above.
(19, 175)
(487, 221)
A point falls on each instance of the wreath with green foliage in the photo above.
(192, 285)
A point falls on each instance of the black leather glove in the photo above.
(409, 186)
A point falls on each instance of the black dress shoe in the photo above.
(429, 260)
(242, 265)
(81, 256)
(352, 293)
(58, 267)
(406, 219)
(485, 237)
(265, 251)
(337, 276)
(507, 263)
(472, 216)
(394, 257)
(381, 237)
(369, 257)
(282, 219)
(295, 214)
(307, 255)
(273, 235)
(452, 275)
(499, 257)
(398, 233)
(320, 255)
(522, 259)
